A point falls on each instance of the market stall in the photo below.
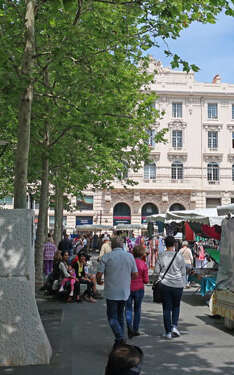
(93, 228)
(223, 297)
(202, 226)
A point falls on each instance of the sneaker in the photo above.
(175, 332)
(137, 333)
(167, 336)
(130, 333)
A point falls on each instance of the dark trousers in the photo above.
(89, 283)
(115, 315)
(171, 306)
(135, 297)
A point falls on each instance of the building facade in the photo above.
(195, 169)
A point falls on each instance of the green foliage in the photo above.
(90, 113)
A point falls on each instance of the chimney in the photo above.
(216, 79)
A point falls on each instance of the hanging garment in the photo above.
(161, 226)
(189, 234)
(211, 232)
(196, 227)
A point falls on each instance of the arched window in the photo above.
(147, 210)
(150, 171)
(177, 171)
(176, 207)
(121, 214)
(213, 172)
(232, 172)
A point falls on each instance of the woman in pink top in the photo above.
(137, 293)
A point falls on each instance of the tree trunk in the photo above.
(23, 134)
(58, 224)
(43, 209)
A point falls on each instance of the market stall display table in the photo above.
(223, 305)
(205, 278)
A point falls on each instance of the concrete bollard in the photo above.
(23, 340)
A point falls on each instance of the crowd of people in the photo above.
(123, 264)
(66, 269)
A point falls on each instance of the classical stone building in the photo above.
(195, 169)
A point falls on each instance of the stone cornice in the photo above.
(155, 156)
(212, 126)
(177, 124)
(213, 157)
(177, 156)
(230, 158)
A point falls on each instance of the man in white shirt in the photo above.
(119, 267)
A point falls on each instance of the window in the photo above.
(177, 171)
(212, 110)
(212, 139)
(213, 172)
(6, 201)
(232, 111)
(85, 203)
(213, 202)
(232, 172)
(147, 210)
(232, 139)
(151, 141)
(149, 171)
(52, 221)
(177, 110)
(176, 207)
(177, 141)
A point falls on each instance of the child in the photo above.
(72, 280)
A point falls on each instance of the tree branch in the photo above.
(78, 13)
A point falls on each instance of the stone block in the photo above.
(23, 340)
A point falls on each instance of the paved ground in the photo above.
(82, 340)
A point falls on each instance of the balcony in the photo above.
(177, 181)
(213, 182)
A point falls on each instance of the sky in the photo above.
(209, 46)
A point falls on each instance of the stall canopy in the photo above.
(130, 226)
(207, 216)
(93, 227)
(226, 209)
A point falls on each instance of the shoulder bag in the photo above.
(157, 297)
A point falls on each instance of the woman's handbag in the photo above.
(157, 296)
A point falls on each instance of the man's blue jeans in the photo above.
(136, 297)
(115, 315)
(171, 306)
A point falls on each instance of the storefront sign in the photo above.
(83, 220)
(121, 220)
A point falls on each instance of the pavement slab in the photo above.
(81, 340)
